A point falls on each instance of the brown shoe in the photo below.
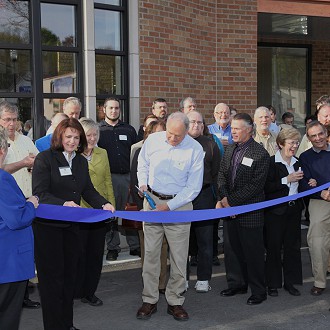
(315, 291)
(178, 312)
(145, 311)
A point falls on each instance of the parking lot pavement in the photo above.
(120, 289)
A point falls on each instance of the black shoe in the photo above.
(92, 300)
(272, 292)
(28, 303)
(193, 261)
(135, 252)
(73, 328)
(256, 299)
(112, 255)
(233, 291)
(216, 261)
(292, 290)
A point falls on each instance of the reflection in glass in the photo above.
(58, 25)
(109, 2)
(14, 22)
(108, 74)
(15, 71)
(99, 110)
(282, 80)
(52, 107)
(59, 72)
(107, 30)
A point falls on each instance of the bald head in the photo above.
(58, 118)
(222, 114)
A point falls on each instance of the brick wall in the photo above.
(203, 49)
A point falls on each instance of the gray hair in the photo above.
(261, 109)
(179, 116)
(71, 100)
(88, 124)
(3, 139)
(8, 107)
(188, 98)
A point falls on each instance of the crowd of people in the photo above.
(180, 163)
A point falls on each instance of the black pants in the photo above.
(92, 236)
(283, 232)
(11, 300)
(201, 236)
(57, 253)
(244, 256)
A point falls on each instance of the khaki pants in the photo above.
(163, 260)
(177, 235)
(318, 238)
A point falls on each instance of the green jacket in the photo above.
(99, 172)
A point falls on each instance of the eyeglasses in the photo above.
(193, 122)
(8, 120)
(293, 143)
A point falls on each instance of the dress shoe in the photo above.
(112, 255)
(92, 300)
(28, 303)
(315, 291)
(233, 291)
(135, 252)
(291, 289)
(256, 299)
(162, 291)
(272, 292)
(73, 328)
(145, 311)
(178, 312)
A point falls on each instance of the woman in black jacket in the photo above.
(282, 222)
(60, 177)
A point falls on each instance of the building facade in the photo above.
(243, 52)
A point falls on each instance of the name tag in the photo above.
(247, 161)
(65, 171)
(123, 137)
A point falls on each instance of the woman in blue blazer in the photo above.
(16, 243)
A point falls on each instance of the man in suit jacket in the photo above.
(242, 176)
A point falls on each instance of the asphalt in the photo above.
(120, 289)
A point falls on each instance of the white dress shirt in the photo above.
(293, 186)
(172, 170)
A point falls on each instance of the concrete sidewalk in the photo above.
(120, 290)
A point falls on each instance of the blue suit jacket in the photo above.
(16, 237)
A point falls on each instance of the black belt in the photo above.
(161, 196)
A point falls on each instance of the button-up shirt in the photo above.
(172, 170)
(19, 149)
(221, 133)
(293, 186)
(117, 141)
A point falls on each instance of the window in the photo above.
(111, 52)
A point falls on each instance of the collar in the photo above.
(244, 144)
(319, 150)
(279, 159)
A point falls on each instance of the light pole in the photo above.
(13, 57)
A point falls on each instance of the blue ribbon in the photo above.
(77, 214)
